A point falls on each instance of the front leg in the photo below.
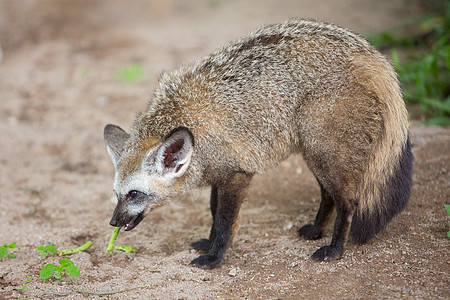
(205, 244)
(230, 195)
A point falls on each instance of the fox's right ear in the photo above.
(115, 139)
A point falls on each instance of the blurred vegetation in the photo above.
(420, 50)
(132, 74)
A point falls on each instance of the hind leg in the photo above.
(314, 231)
(338, 187)
(345, 208)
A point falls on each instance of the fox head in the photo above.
(147, 172)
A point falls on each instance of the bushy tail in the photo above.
(394, 194)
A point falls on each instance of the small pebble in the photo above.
(233, 272)
(288, 226)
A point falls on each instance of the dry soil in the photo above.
(58, 89)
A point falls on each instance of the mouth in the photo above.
(134, 222)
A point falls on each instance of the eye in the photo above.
(132, 194)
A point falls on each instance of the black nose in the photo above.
(113, 222)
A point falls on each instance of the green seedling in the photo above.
(131, 74)
(52, 249)
(24, 287)
(46, 250)
(4, 250)
(128, 249)
(447, 208)
(112, 241)
(65, 265)
(75, 250)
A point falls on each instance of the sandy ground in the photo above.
(58, 89)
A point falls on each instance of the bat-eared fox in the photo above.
(297, 87)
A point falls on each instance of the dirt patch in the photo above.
(58, 89)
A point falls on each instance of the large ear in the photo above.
(115, 139)
(174, 154)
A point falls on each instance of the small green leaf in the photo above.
(40, 248)
(447, 208)
(3, 251)
(58, 276)
(59, 269)
(47, 271)
(51, 249)
(448, 233)
(27, 280)
(12, 255)
(24, 288)
(12, 246)
(65, 262)
(73, 271)
(43, 254)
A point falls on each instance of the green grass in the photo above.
(422, 61)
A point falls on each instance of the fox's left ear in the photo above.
(115, 139)
(174, 154)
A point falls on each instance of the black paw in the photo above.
(326, 253)
(207, 261)
(310, 232)
(202, 245)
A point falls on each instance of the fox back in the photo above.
(297, 87)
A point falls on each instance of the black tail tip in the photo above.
(395, 197)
